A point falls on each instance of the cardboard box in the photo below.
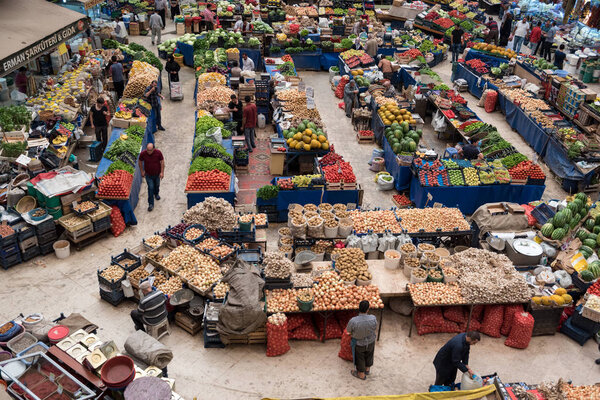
(590, 95)
(138, 122)
(120, 123)
(180, 28)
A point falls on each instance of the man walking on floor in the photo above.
(152, 166)
(363, 330)
(151, 94)
(161, 8)
(156, 25)
(250, 117)
(116, 72)
(454, 355)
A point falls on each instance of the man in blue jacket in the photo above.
(454, 356)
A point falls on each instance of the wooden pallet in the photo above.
(365, 139)
(257, 337)
(188, 323)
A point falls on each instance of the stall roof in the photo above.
(30, 27)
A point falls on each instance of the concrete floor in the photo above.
(402, 364)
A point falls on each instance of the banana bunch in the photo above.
(60, 139)
(123, 115)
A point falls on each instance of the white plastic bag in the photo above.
(466, 383)
(354, 241)
(215, 135)
(438, 122)
(383, 184)
(563, 278)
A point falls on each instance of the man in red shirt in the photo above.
(152, 166)
(250, 117)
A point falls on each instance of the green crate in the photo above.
(50, 202)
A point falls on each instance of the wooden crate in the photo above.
(188, 323)
(365, 139)
(257, 337)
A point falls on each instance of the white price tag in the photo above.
(23, 160)
(149, 268)
(310, 92)
(429, 196)
(310, 103)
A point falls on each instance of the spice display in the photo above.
(113, 273)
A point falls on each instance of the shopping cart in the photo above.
(175, 90)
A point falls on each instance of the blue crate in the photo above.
(577, 334)
(212, 339)
(31, 253)
(9, 251)
(96, 151)
(7, 262)
(101, 225)
(44, 227)
(125, 255)
(114, 297)
(8, 241)
(24, 231)
(542, 213)
(47, 237)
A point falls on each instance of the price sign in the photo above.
(310, 103)
(301, 86)
(310, 92)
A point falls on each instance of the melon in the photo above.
(589, 243)
(586, 251)
(574, 223)
(568, 214)
(581, 196)
(559, 220)
(597, 229)
(547, 230)
(592, 236)
(559, 234)
(589, 224)
(567, 298)
(587, 276)
(581, 234)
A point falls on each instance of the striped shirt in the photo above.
(153, 308)
(362, 328)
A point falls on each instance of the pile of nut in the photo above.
(277, 266)
(351, 263)
(376, 221)
(214, 213)
(172, 285)
(487, 277)
(154, 241)
(432, 293)
(432, 219)
(113, 273)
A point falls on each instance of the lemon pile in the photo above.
(391, 113)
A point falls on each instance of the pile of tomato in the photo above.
(204, 181)
(412, 53)
(444, 22)
(117, 184)
(330, 158)
(527, 169)
(287, 58)
(478, 65)
(401, 199)
(285, 184)
(332, 174)
(365, 133)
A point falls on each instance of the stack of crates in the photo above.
(573, 98)
(212, 339)
(101, 218)
(262, 99)
(9, 251)
(28, 242)
(111, 290)
(51, 204)
(45, 233)
(96, 151)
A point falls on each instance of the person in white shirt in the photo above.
(156, 25)
(247, 63)
(239, 24)
(519, 33)
(121, 31)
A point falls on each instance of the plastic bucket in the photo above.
(392, 259)
(305, 306)
(407, 270)
(62, 248)
(245, 226)
(331, 232)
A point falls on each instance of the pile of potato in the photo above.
(432, 293)
(113, 273)
(352, 264)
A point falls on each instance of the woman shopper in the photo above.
(505, 30)
(172, 68)
(350, 97)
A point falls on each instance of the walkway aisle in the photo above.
(343, 137)
(553, 187)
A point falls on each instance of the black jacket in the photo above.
(454, 354)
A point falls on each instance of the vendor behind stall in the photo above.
(385, 66)
(247, 63)
(470, 152)
(454, 355)
(371, 45)
(151, 310)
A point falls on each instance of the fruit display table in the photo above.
(470, 198)
(402, 174)
(128, 206)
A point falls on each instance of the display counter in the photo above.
(402, 174)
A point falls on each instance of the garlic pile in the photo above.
(277, 319)
(214, 213)
(277, 266)
(487, 277)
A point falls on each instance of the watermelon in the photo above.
(573, 206)
(590, 243)
(587, 276)
(568, 213)
(580, 216)
(547, 229)
(596, 229)
(581, 196)
(412, 146)
(598, 240)
(420, 132)
(558, 234)
(397, 148)
(586, 251)
(573, 223)
(579, 204)
(559, 219)
(581, 234)
(592, 236)
(594, 268)
(550, 221)
(597, 221)
(589, 224)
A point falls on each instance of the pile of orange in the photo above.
(495, 50)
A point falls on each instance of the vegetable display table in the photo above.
(470, 198)
(402, 174)
(126, 206)
(187, 51)
(308, 60)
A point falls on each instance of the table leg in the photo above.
(412, 321)
(325, 317)
(469, 319)
(380, 323)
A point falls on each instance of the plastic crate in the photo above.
(28, 243)
(199, 238)
(577, 334)
(101, 224)
(542, 213)
(44, 227)
(114, 297)
(212, 339)
(126, 255)
(9, 251)
(24, 231)
(580, 283)
(8, 241)
(76, 235)
(46, 248)
(580, 320)
(237, 236)
(104, 211)
(47, 237)
(96, 151)
(30, 253)
(38, 347)
(76, 228)
(10, 261)
(110, 285)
